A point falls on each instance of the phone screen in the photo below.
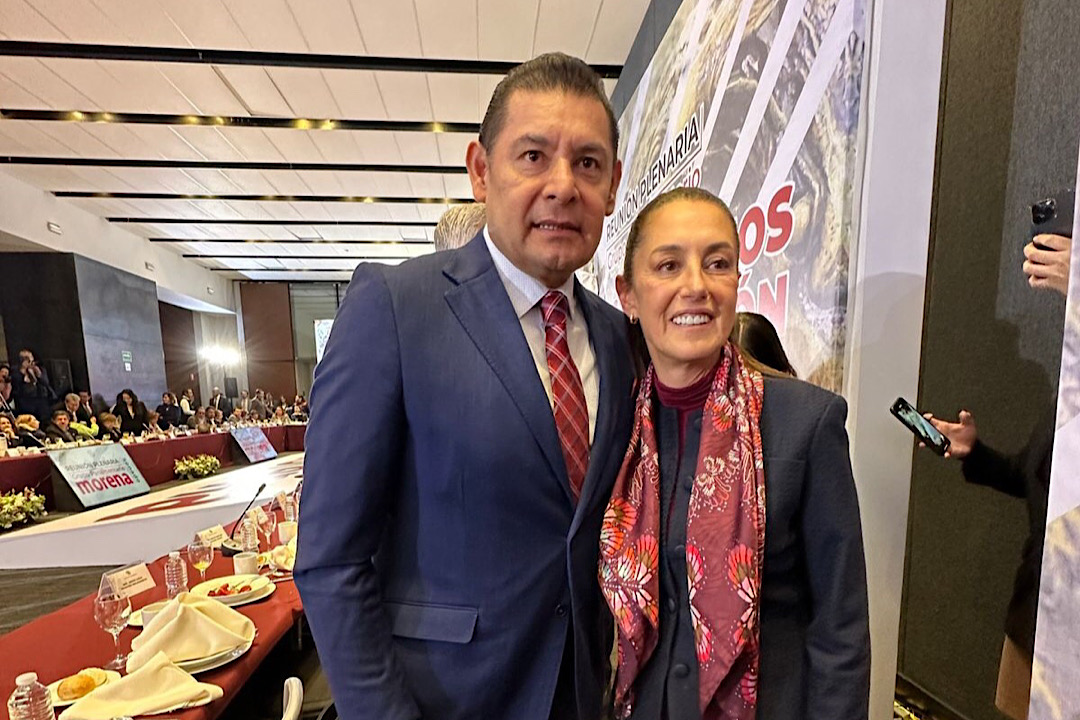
(906, 413)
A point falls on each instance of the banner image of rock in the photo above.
(757, 101)
(1056, 669)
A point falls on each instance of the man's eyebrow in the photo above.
(532, 140)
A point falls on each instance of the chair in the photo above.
(292, 699)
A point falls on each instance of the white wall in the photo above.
(24, 211)
(886, 302)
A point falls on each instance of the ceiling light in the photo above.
(301, 124)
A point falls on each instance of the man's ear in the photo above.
(616, 176)
(476, 160)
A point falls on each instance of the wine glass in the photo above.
(267, 524)
(200, 554)
(111, 611)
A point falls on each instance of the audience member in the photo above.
(245, 401)
(279, 417)
(59, 428)
(258, 406)
(197, 419)
(7, 429)
(757, 337)
(168, 411)
(85, 412)
(33, 393)
(459, 225)
(187, 403)
(219, 401)
(7, 399)
(153, 426)
(29, 429)
(131, 412)
(110, 427)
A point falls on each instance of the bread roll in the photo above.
(75, 687)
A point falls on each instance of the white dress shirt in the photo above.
(525, 294)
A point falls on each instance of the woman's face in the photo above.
(126, 398)
(166, 400)
(5, 427)
(684, 288)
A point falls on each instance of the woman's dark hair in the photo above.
(633, 241)
(127, 391)
(757, 338)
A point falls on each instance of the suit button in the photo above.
(679, 551)
(671, 606)
(680, 671)
(560, 610)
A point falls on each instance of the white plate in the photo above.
(110, 676)
(258, 584)
(212, 662)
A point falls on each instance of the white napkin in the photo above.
(188, 628)
(156, 687)
(284, 556)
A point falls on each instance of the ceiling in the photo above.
(328, 131)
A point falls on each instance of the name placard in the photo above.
(213, 536)
(131, 580)
(99, 474)
(253, 442)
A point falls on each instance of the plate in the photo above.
(212, 662)
(110, 676)
(258, 584)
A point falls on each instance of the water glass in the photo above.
(111, 611)
(267, 525)
(200, 555)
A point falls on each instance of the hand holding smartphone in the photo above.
(913, 420)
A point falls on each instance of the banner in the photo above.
(757, 101)
(99, 474)
(1056, 671)
(253, 442)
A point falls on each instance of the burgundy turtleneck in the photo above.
(685, 400)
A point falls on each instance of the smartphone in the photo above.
(1053, 215)
(913, 420)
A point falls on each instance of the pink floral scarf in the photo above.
(724, 551)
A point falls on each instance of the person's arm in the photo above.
(981, 464)
(351, 468)
(838, 636)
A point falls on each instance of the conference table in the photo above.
(66, 641)
(154, 458)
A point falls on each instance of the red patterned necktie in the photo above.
(567, 394)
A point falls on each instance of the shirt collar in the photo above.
(524, 290)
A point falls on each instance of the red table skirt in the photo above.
(68, 640)
(155, 458)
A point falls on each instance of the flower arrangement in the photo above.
(17, 508)
(190, 468)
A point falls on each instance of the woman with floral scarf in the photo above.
(731, 551)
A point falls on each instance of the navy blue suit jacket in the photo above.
(442, 563)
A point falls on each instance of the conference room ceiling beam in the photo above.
(231, 165)
(394, 200)
(84, 51)
(81, 116)
(270, 223)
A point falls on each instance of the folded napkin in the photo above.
(284, 556)
(156, 687)
(188, 628)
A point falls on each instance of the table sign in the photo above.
(253, 442)
(213, 536)
(131, 580)
(98, 474)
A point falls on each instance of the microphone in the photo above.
(261, 488)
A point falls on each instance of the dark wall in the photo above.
(1008, 133)
(120, 314)
(653, 26)
(268, 337)
(39, 304)
(178, 344)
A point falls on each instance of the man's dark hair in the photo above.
(59, 412)
(546, 73)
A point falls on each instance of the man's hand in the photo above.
(1048, 268)
(962, 435)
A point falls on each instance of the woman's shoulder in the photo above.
(796, 404)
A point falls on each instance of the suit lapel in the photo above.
(481, 305)
(605, 344)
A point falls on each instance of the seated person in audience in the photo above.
(199, 418)
(757, 337)
(110, 427)
(238, 415)
(29, 430)
(85, 412)
(298, 410)
(153, 424)
(131, 411)
(82, 430)
(280, 417)
(7, 400)
(59, 428)
(168, 411)
(7, 429)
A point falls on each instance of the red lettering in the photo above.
(97, 484)
(83, 487)
(112, 481)
(772, 302)
(781, 220)
(128, 480)
(753, 234)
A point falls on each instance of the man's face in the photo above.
(62, 421)
(200, 415)
(5, 374)
(84, 398)
(548, 181)
(71, 403)
(244, 394)
(26, 358)
(217, 391)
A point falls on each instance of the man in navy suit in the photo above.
(468, 419)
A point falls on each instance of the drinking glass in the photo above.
(200, 555)
(267, 525)
(111, 613)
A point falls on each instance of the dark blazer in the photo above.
(56, 434)
(168, 415)
(443, 566)
(221, 403)
(815, 633)
(131, 424)
(83, 414)
(1024, 475)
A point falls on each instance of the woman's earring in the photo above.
(633, 319)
